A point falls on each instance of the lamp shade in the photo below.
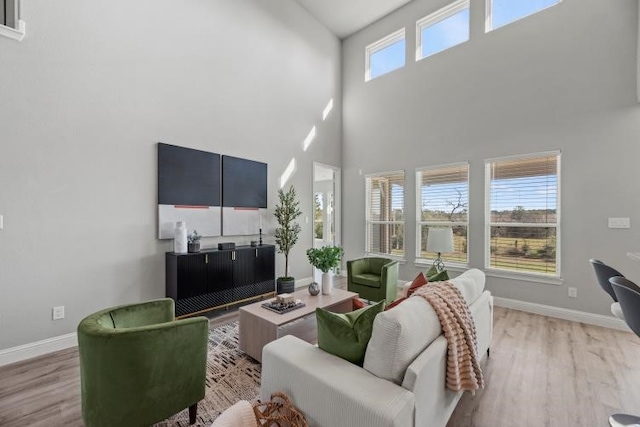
(440, 239)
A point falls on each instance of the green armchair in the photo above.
(138, 365)
(374, 279)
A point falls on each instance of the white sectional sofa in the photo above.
(402, 381)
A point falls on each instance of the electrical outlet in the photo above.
(619, 223)
(573, 292)
(58, 312)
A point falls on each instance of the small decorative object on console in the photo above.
(314, 289)
(194, 242)
(225, 246)
(180, 238)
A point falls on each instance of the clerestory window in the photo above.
(442, 29)
(385, 55)
(503, 12)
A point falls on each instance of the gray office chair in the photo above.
(603, 274)
(628, 294)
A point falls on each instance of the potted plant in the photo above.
(193, 240)
(286, 235)
(326, 259)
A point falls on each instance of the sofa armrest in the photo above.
(426, 377)
(389, 280)
(331, 391)
(389, 273)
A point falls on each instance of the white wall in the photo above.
(85, 98)
(564, 78)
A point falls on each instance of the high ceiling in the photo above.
(345, 17)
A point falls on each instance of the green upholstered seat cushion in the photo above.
(433, 275)
(367, 279)
(346, 335)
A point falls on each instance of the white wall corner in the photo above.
(39, 348)
(563, 313)
(13, 33)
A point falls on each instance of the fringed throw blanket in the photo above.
(463, 367)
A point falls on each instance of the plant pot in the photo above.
(194, 247)
(285, 285)
(327, 283)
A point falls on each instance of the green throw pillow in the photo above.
(433, 275)
(346, 335)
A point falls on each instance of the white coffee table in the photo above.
(259, 326)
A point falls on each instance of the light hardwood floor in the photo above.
(542, 372)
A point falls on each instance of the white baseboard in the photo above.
(303, 283)
(563, 313)
(39, 348)
(50, 345)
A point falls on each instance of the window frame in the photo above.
(419, 223)
(11, 25)
(518, 274)
(488, 21)
(436, 17)
(382, 44)
(368, 221)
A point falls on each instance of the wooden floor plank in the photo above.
(542, 372)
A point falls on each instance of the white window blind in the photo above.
(523, 214)
(385, 213)
(442, 200)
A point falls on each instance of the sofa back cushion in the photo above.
(401, 334)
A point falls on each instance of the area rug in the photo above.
(231, 376)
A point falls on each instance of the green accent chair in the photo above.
(138, 365)
(374, 279)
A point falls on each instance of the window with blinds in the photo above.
(523, 214)
(442, 200)
(385, 213)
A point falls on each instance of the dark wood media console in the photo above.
(212, 278)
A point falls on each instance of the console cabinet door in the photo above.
(220, 277)
(191, 275)
(265, 269)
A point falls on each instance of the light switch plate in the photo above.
(619, 223)
(57, 313)
(1, 222)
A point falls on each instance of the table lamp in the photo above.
(440, 239)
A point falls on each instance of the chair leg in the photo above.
(623, 420)
(193, 413)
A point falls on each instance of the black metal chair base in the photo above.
(624, 420)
